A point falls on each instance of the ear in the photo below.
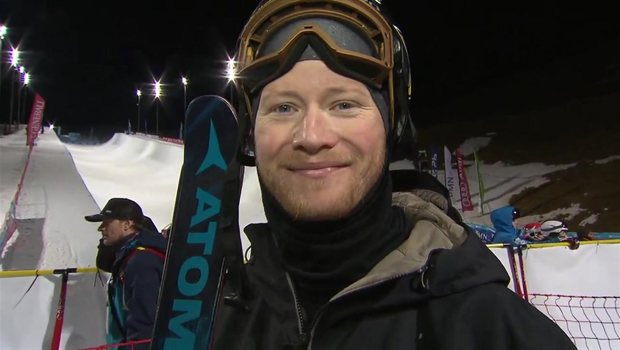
(127, 224)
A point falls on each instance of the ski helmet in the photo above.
(354, 38)
(553, 227)
(532, 229)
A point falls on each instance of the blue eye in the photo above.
(283, 109)
(344, 105)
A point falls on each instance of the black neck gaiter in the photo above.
(322, 258)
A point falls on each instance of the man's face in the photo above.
(515, 223)
(113, 230)
(320, 142)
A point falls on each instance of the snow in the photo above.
(473, 144)
(60, 201)
(51, 234)
(607, 160)
(501, 181)
(563, 213)
(13, 155)
(589, 220)
(147, 170)
(402, 165)
(142, 169)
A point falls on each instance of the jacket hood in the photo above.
(501, 219)
(450, 255)
(144, 238)
(470, 265)
(152, 240)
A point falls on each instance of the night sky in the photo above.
(87, 58)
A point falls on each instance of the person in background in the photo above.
(505, 221)
(555, 230)
(135, 273)
(585, 234)
(106, 255)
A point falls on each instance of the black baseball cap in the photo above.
(118, 209)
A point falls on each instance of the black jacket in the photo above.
(442, 289)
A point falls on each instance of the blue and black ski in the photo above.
(194, 268)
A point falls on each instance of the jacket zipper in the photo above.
(303, 334)
(300, 318)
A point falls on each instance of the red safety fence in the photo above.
(161, 138)
(128, 345)
(171, 140)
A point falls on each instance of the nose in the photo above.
(314, 132)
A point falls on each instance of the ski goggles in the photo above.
(350, 36)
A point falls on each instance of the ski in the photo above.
(194, 267)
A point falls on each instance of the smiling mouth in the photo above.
(317, 169)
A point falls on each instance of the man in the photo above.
(135, 273)
(342, 262)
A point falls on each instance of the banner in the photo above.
(480, 183)
(466, 203)
(449, 174)
(434, 160)
(36, 117)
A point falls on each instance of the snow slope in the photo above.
(13, 154)
(51, 234)
(144, 170)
